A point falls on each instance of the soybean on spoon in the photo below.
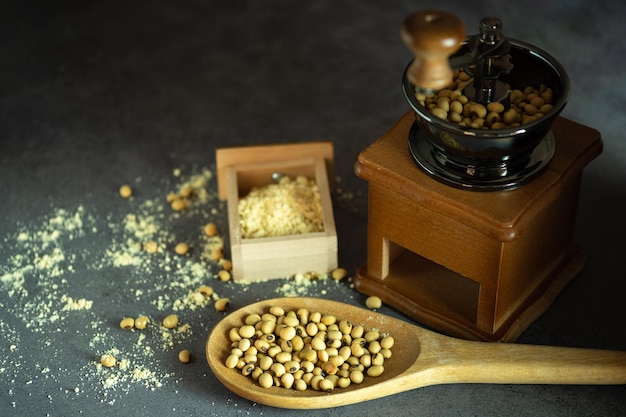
(419, 358)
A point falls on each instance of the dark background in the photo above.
(95, 94)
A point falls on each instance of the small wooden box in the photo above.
(240, 169)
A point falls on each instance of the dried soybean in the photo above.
(125, 191)
(170, 321)
(127, 323)
(184, 356)
(108, 361)
(141, 322)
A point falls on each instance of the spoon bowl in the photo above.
(419, 358)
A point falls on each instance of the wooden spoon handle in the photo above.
(433, 36)
(475, 362)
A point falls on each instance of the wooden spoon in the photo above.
(419, 358)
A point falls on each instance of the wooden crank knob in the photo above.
(433, 36)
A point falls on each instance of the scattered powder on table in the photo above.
(39, 262)
(37, 280)
(71, 304)
(41, 290)
(301, 284)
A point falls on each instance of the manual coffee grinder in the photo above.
(471, 223)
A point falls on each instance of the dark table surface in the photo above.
(97, 94)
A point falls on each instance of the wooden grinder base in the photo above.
(472, 264)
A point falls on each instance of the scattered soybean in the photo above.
(170, 321)
(141, 322)
(125, 191)
(210, 229)
(108, 361)
(222, 304)
(182, 248)
(127, 323)
(373, 302)
(184, 356)
(151, 246)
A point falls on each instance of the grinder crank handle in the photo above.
(433, 36)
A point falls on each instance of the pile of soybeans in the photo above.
(306, 349)
(451, 104)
